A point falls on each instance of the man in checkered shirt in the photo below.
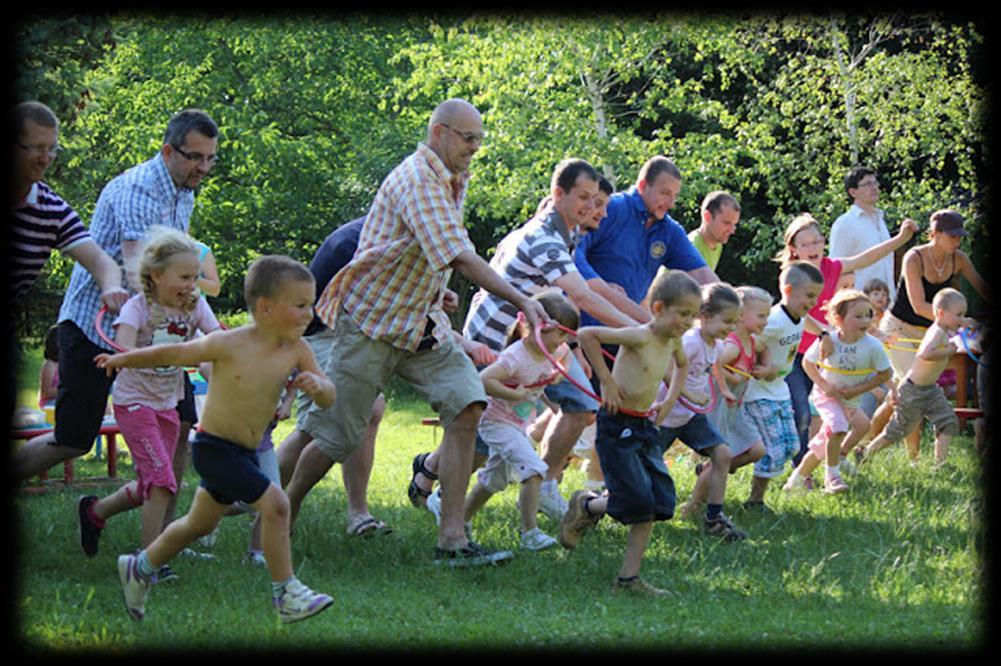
(385, 308)
(157, 192)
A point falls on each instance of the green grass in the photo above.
(892, 564)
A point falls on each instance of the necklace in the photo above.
(939, 269)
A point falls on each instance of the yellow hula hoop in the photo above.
(863, 371)
(903, 349)
(739, 371)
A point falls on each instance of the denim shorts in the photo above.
(570, 398)
(698, 434)
(640, 489)
(228, 471)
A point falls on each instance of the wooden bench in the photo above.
(967, 405)
(109, 430)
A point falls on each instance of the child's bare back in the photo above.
(935, 344)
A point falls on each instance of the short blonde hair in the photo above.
(750, 293)
(842, 300)
(946, 298)
(671, 286)
(268, 274)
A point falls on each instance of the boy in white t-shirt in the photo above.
(767, 400)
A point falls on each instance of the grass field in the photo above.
(893, 564)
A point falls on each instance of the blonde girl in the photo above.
(145, 399)
(843, 366)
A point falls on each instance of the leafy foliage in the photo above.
(315, 111)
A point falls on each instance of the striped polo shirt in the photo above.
(42, 222)
(412, 232)
(128, 206)
(530, 259)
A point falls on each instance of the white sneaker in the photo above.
(134, 587)
(536, 539)
(848, 467)
(299, 602)
(551, 503)
(795, 484)
(433, 504)
(208, 541)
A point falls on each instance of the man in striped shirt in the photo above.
(42, 222)
(533, 258)
(385, 307)
(157, 192)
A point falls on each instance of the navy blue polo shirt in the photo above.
(622, 250)
(334, 254)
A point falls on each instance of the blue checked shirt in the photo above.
(129, 205)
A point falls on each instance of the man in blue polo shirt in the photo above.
(635, 239)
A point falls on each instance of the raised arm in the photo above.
(877, 252)
(479, 272)
(585, 298)
(105, 271)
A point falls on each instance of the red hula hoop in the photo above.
(100, 330)
(585, 389)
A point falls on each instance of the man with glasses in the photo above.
(42, 221)
(862, 227)
(159, 191)
(385, 308)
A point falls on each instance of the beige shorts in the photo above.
(512, 456)
(360, 367)
(917, 403)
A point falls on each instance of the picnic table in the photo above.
(109, 430)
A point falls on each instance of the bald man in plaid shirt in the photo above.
(385, 307)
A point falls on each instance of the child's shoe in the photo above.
(433, 504)
(165, 574)
(551, 503)
(208, 540)
(470, 555)
(795, 484)
(255, 557)
(88, 531)
(536, 539)
(637, 586)
(576, 521)
(299, 602)
(134, 586)
(722, 526)
(834, 484)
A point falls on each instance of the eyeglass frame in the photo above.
(38, 150)
(468, 137)
(210, 160)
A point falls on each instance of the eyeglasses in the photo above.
(210, 160)
(468, 137)
(38, 151)
(869, 183)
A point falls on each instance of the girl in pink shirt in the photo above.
(167, 311)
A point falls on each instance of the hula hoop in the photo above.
(100, 330)
(739, 371)
(863, 371)
(586, 390)
(713, 397)
(966, 346)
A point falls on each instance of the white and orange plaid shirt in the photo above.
(397, 277)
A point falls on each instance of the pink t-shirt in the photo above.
(158, 388)
(831, 270)
(524, 370)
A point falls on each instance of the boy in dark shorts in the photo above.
(250, 367)
(640, 490)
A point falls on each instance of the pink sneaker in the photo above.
(834, 484)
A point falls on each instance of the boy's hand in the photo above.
(764, 373)
(308, 382)
(611, 396)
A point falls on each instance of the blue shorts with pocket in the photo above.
(228, 471)
(640, 489)
(698, 434)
